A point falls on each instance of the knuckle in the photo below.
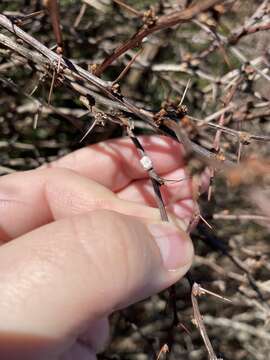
(51, 171)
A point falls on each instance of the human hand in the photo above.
(86, 242)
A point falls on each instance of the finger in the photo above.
(115, 163)
(187, 210)
(79, 269)
(34, 198)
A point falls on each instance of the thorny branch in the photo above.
(69, 69)
(161, 23)
(85, 84)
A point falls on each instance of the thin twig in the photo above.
(68, 68)
(200, 324)
(165, 21)
(123, 73)
(128, 8)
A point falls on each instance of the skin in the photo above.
(79, 241)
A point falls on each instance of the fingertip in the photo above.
(175, 246)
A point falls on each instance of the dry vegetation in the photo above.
(221, 50)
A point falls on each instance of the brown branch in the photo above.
(53, 9)
(165, 21)
(207, 156)
(128, 8)
(72, 73)
(258, 114)
(236, 35)
(244, 217)
(252, 30)
(195, 292)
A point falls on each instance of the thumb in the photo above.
(59, 278)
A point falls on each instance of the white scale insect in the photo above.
(146, 163)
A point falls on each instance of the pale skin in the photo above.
(81, 238)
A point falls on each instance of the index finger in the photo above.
(115, 163)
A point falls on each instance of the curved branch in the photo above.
(163, 22)
(71, 69)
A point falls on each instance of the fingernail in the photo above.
(175, 247)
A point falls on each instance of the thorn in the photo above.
(174, 181)
(239, 152)
(198, 291)
(123, 73)
(205, 221)
(36, 117)
(184, 328)
(163, 350)
(184, 94)
(89, 130)
(51, 88)
(59, 60)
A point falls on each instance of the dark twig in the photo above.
(148, 166)
(123, 73)
(165, 21)
(71, 69)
